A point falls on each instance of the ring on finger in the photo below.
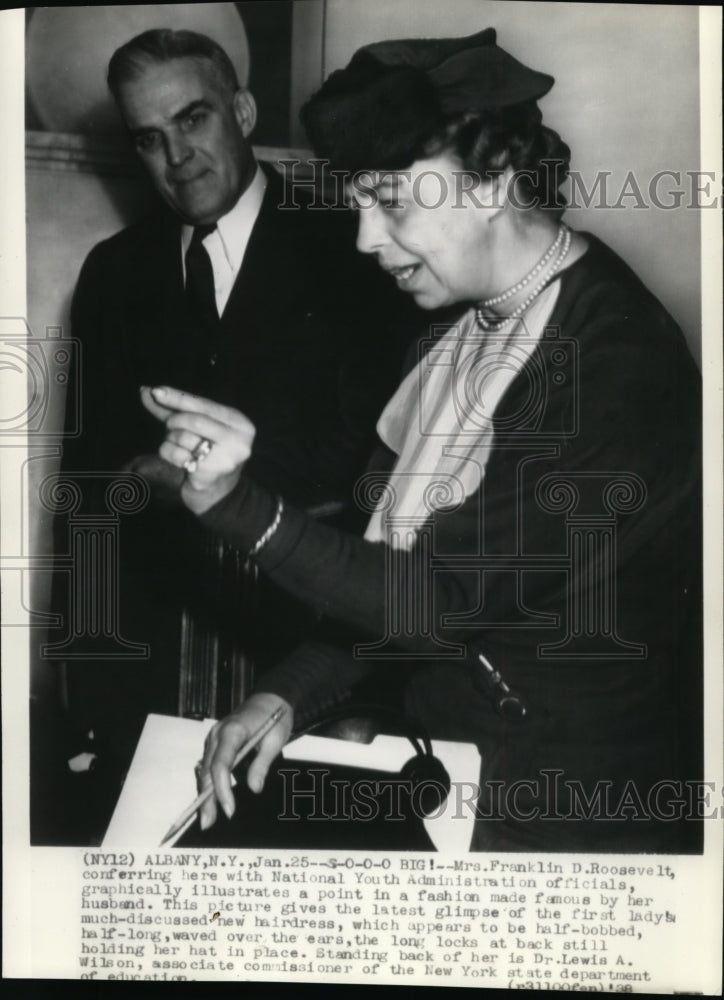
(200, 452)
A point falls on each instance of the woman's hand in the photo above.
(227, 738)
(164, 480)
(212, 468)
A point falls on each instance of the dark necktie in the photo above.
(200, 293)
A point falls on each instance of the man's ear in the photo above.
(245, 111)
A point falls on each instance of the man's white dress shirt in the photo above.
(227, 245)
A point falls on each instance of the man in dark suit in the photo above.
(290, 298)
(227, 294)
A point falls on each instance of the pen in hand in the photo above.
(251, 743)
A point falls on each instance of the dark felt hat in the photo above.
(379, 110)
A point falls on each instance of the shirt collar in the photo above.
(235, 227)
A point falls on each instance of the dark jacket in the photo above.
(575, 569)
(296, 350)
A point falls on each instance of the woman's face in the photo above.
(429, 227)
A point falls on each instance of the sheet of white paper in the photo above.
(160, 783)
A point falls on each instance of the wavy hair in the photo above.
(159, 45)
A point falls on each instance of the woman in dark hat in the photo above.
(529, 576)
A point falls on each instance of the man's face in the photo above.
(191, 133)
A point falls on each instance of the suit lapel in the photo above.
(268, 305)
(269, 280)
(170, 347)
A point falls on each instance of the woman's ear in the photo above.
(501, 188)
(491, 192)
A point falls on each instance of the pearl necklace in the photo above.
(487, 323)
(520, 285)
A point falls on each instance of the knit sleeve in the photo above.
(314, 678)
(339, 575)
